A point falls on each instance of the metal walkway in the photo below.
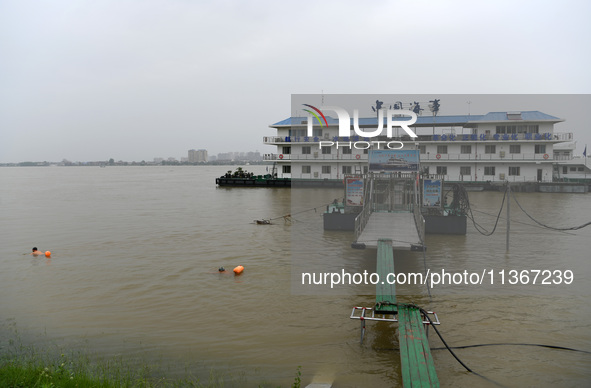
(399, 227)
(390, 211)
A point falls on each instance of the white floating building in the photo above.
(497, 146)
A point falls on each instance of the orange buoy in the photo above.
(47, 253)
(238, 270)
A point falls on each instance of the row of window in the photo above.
(565, 169)
(441, 149)
(307, 150)
(440, 170)
(510, 129)
(488, 170)
(325, 169)
(488, 149)
(518, 129)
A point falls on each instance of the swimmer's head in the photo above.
(222, 269)
(34, 249)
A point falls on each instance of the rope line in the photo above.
(290, 215)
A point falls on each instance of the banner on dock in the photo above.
(431, 193)
(354, 190)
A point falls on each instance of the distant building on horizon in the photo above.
(241, 156)
(197, 156)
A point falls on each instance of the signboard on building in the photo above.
(431, 193)
(393, 160)
(354, 191)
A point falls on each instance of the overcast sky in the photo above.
(138, 79)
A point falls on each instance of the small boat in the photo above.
(243, 178)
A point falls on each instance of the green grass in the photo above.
(30, 367)
(39, 372)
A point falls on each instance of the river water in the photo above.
(133, 273)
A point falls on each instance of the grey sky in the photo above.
(134, 80)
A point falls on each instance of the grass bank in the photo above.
(28, 366)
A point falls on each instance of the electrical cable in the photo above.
(517, 344)
(477, 226)
(449, 349)
(546, 226)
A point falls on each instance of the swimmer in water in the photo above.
(36, 252)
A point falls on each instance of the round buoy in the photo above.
(357, 156)
(238, 270)
(281, 156)
(47, 253)
(438, 156)
(546, 156)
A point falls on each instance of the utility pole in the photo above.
(508, 213)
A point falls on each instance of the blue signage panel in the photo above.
(354, 191)
(431, 193)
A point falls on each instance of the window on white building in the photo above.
(326, 169)
(490, 149)
(489, 170)
(347, 151)
(286, 150)
(515, 171)
(306, 169)
(442, 170)
(465, 170)
(286, 169)
(306, 150)
(515, 149)
(422, 149)
(326, 150)
(442, 149)
(466, 149)
(347, 170)
(540, 148)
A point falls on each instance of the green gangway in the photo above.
(418, 369)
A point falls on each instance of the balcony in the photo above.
(318, 156)
(448, 137)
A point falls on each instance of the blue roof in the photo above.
(524, 116)
(440, 120)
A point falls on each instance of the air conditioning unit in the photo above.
(315, 174)
(502, 154)
(316, 154)
(502, 176)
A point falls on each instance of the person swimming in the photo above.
(36, 252)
